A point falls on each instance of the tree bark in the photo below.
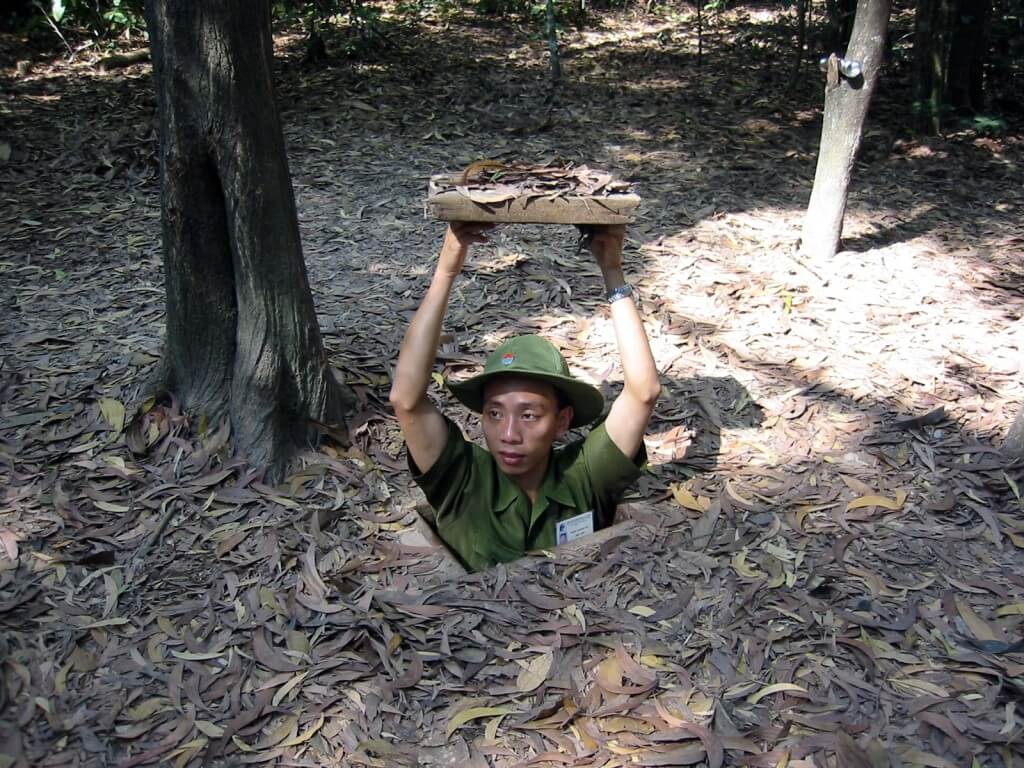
(967, 49)
(1013, 445)
(553, 52)
(801, 46)
(242, 339)
(933, 21)
(846, 106)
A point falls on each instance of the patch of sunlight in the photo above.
(893, 324)
(760, 126)
(497, 259)
(639, 134)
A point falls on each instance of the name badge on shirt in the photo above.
(573, 528)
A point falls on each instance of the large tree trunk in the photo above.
(846, 106)
(242, 336)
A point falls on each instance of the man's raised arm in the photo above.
(422, 425)
(632, 409)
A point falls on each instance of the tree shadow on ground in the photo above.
(706, 406)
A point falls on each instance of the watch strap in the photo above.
(621, 292)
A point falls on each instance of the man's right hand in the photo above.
(424, 428)
(458, 238)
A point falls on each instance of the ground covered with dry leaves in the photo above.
(825, 560)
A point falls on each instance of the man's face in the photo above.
(521, 419)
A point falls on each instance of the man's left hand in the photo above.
(606, 245)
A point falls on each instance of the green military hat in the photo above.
(535, 358)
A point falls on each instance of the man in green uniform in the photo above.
(521, 494)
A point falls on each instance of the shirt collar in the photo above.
(551, 487)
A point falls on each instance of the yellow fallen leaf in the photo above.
(83, 660)
(281, 732)
(190, 656)
(438, 379)
(535, 673)
(491, 731)
(60, 679)
(195, 743)
(979, 629)
(584, 738)
(685, 498)
(879, 501)
(167, 626)
(730, 489)
(107, 506)
(146, 709)
(642, 610)
(393, 643)
(115, 622)
(739, 564)
(155, 647)
(966, 587)
(212, 730)
(779, 552)
(1009, 719)
(619, 724)
(650, 660)
(916, 757)
(617, 749)
(916, 687)
(575, 615)
(775, 688)
(287, 688)
(112, 412)
(306, 735)
(473, 713)
(1013, 486)
(242, 745)
(1014, 609)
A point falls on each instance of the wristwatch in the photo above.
(621, 292)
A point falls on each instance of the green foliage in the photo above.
(101, 19)
(988, 125)
(350, 28)
(567, 12)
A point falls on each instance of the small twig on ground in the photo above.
(795, 258)
(142, 552)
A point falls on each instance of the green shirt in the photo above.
(485, 518)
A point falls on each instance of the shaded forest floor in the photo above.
(824, 565)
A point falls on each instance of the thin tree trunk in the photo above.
(967, 56)
(801, 45)
(700, 33)
(242, 336)
(932, 31)
(556, 58)
(846, 106)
